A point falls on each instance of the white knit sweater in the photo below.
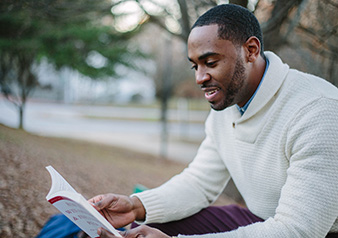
(282, 155)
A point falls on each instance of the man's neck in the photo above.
(243, 108)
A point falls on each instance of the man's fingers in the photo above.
(105, 234)
(138, 232)
(104, 201)
(133, 233)
(142, 231)
(95, 200)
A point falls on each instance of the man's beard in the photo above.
(234, 87)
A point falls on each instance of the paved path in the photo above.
(133, 128)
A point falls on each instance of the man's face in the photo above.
(219, 67)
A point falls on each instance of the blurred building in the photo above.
(69, 86)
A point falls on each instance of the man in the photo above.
(272, 129)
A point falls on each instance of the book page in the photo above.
(76, 211)
(58, 182)
(75, 207)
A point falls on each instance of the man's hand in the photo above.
(119, 210)
(138, 232)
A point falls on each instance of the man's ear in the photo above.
(252, 49)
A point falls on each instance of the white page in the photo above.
(58, 183)
(61, 187)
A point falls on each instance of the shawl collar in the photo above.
(251, 123)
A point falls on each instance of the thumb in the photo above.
(98, 205)
(105, 202)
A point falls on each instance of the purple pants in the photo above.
(209, 220)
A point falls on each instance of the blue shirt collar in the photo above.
(243, 109)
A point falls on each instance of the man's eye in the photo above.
(211, 63)
(194, 67)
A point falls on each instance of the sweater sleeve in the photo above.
(192, 190)
(308, 205)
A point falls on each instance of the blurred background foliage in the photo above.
(66, 34)
(95, 37)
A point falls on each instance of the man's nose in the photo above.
(202, 76)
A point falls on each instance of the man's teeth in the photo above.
(211, 92)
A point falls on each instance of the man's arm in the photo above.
(185, 194)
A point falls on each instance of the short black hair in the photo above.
(235, 23)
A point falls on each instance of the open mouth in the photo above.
(211, 93)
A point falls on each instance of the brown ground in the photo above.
(90, 168)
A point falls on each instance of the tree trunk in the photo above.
(165, 95)
(21, 116)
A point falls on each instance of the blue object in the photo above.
(59, 226)
(139, 188)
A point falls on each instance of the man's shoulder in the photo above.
(311, 85)
(301, 81)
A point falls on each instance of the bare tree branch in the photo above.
(332, 2)
(279, 14)
(185, 20)
(296, 19)
(322, 46)
(243, 3)
(272, 28)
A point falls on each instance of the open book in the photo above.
(74, 206)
